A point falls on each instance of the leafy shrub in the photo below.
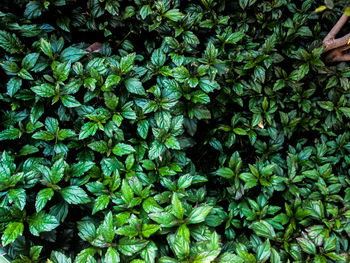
(201, 131)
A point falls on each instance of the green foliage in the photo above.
(200, 131)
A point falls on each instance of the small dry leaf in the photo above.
(321, 8)
(261, 123)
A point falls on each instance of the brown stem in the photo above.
(329, 41)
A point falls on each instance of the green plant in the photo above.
(172, 131)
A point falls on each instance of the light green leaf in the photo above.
(177, 208)
(18, 197)
(74, 195)
(111, 256)
(199, 214)
(130, 247)
(40, 222)
(42, 197)
(45, 90)
(69, 101)
(12, 231)
(264, 229)
(149, 229)
(307, 245)
(88, 129)
(174, 15)
(46, 48)
(225, 172)
(101, 203)
(127, 62)
(121, 149)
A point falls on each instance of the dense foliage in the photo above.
(202, 131)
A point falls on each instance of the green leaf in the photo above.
(199, 214)
(156, 150)
(346, 111)
(69, 101)
(74, 195)
(51, 124)
(29, 61)
(10, 134)
(10, 67)
(142, 128)
(172, 143)
(130, 247)
(239, 131)
(327, 105)
(264, 229)
(181, 74)
(12, 231)
(158, 58)
(61, 71)
(249, 179)
(206, 256)
(13, 85)
(98, 146)
(128, 230)
(126, 63)
(18, 197)
(112, 80)
(225, 172)
(330, 244)
(81, 168)
(149, 229)
(24, 74)
(181, 246)
(145, 11)
(107, 229)
(165, 219)
(45, 90)
(134, 85)
(46, 48)
(126, 191)
(43, 135)
(10, 42)
(65, 133)
(42, 197)
(264, 251)
(88, 129)
(208, 86)
(121, 149)
(101, 203)
(176, 207)
(235, 37)
(40, 222)
(58, 257)
(199, 96)
(85, 256)
(174, 15)
(307, 245)
(72, 54)
(28, 149)
(149, 253)
(111, 100)
(111, 256)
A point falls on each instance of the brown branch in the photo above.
(95, 47)
(337, 54)
(330, 42)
